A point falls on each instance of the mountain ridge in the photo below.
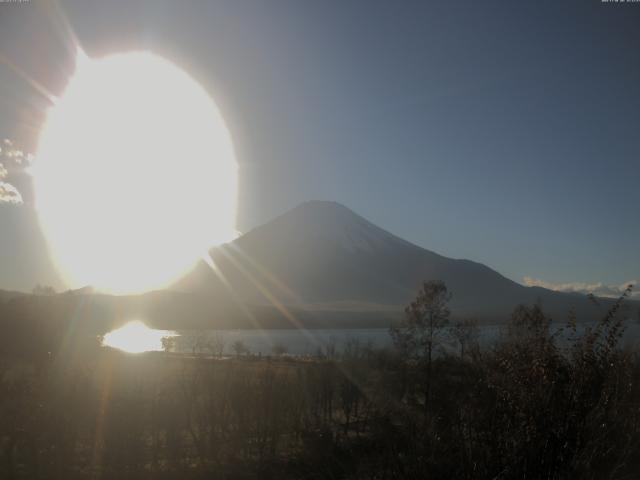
(318, 265)
(321, 252)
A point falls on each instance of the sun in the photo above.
(135, 175)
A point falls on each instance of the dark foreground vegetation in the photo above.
(539, 404)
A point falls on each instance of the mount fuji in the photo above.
(319, 265)
(321, 256)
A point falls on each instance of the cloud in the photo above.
(598, 289)
(3, 172)
(9, 194)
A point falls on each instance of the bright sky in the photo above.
(501, 132)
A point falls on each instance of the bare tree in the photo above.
(279, 349)
(168, 343)
(239, 348)
(420, 331)
(466, 334)
(218, 342)
(44, 290)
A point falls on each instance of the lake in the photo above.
(294, 341)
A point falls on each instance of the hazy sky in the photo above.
(503, 132)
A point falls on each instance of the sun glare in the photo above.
(135, 176)
(135, 337)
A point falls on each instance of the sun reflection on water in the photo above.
(136, 337)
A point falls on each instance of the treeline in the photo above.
(540, 403)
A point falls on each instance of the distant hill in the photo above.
(325, 255)
(6, 295)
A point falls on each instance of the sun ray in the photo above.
(101, 418)
(62, 25)
(295, 323)
(39, 88)
(209, 261)
(269, 276)
(263, 289)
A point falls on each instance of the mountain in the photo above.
(322, 257)
(319, 265)
(6, 295)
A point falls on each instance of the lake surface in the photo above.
(292, 341)
(311, 342)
